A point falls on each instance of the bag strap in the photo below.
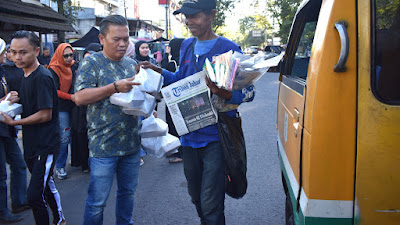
(194, 56)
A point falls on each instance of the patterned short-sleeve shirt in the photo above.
(110, 131)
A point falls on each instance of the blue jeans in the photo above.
(101, 178)
(205, 174)
(11, 153)
(65, 132)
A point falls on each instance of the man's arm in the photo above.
(91, 95)
(42, 116)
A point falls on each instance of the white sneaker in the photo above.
(141, 162)
(61, 173)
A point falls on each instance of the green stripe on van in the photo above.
(299, 218)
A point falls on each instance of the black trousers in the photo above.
(42, 190)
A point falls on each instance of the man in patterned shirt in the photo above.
(114, 141)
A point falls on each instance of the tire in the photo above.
(289, 217)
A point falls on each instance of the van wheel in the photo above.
(289, 217)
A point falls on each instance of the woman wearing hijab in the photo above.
(142, 51)
(64, 77)
(170, 62)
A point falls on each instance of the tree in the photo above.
(283, 12)
(223, 7)
(68, 10)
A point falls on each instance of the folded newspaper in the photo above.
(188, 101)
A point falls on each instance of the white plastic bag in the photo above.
(150, 80)
(161, 146)
(145, 109)
(153, 127)
(10, 110)
(133, 98)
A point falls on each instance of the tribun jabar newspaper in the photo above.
(188, 101)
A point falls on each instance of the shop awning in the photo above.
(17, 15)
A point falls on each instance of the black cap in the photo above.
(191, 7)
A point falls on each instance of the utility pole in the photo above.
(166, 19)
(125, 9)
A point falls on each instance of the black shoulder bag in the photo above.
(234, 150)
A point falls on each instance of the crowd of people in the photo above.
(66, 103)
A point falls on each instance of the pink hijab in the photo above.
(130, 52)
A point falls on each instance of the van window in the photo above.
(386, 51)
(303, 53)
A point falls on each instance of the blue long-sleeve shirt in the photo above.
(190, 63)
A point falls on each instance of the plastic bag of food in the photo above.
(150, 80)
(133, 98)
(153, 127)
(10, 110)
(145, 109)
(161, 146)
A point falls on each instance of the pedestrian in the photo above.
(10, 153)
(79, 138)
(130, 52)
(142, 51)
(40, 127)
(62, 69)
(45, 58)
(13, 74)
(114, 140)
(170, 62)
(202, 154)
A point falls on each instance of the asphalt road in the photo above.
(162, 198)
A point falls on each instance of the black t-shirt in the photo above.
(38, 92)
(4, 129)
(13, 76)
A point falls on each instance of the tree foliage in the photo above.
(283, 12)
(385, 13)
(252, 23)
(68, 10)
(223, 8)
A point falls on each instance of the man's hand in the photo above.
(148, 65)
(223, 93)
(7, 120)
(13, 97)
(73, 98)
(125, 85)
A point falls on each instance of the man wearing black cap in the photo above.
(202, 154)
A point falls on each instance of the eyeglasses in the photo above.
(68, 55)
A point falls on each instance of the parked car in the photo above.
(273, 48)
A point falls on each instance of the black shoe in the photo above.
(20, 208)
(85, 169)
(10, 218)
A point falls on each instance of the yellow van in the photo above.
(339, 113)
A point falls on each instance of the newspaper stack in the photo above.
(10, 110)
(224, 70)
(155, 138)
(234, 71)
(137, 102)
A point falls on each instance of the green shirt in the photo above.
(110, 131)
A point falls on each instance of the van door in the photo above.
(292, 98)
(377, 190)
